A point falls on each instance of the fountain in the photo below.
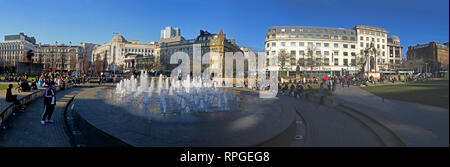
(163, 111)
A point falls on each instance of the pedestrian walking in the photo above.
(49, 104)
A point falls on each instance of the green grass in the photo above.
(431, 92)
(5, 86)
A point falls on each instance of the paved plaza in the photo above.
(351, 117)
(24, 128)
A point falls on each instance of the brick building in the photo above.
(433, 57)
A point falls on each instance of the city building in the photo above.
(110, 56)
(317, 51)
(170, 32)
(430, 58)
(14, 50)
(394, 52)
(59, 57)
(208, 42)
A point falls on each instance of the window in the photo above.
(334, 31)
(353, 46)
(326, 61)
(373, 39)
(301, 44)
(336, 45)
(335, 37)
(345, 45)
(318, 30)
(283, 30)
(344, 37)
(378, 46)
(293, 62)
(384, 53)
(301, 35)
(378, 39)
(344, 32)
(274, 30)
(273, 35)
(310, 36)
(325, 30)
(326, 45)
(274, 52)
(268, 44)
(309, 30)
(293, 30)
(361, 38)
(352, 38)
(382, 40)
(318, 44)
(336, 62)
(292, 36)
(283, 43)
(362, 44)
(367, 45)
(293, 43)
(336, 53)
(353, 54)
(367, 38)
(345, 62)
(353, 61)
(317, 36)
(274, 44)
(318, 52)
(293, 52)
(301, 30)
(326, 37)
(301, 52)
(326, 53)
(283, 35)
(383, 46)
(345, 53)
(310, 44)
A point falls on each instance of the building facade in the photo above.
(430, 58)
(59, 57)
(170, 32)
(208, 42)
(394, 52)
(110, 56)
(316, 51)
(14, 50)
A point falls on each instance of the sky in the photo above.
(94, 21)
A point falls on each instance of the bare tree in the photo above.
(283, 59)
(311, 60)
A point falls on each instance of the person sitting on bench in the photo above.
(12, 98)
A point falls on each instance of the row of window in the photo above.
(372, 33)
(10, 47)
(368, 45)
(126, 50)
(311, 44)
(326, 53)
(317, 36)
(317, 30)
(373, 39)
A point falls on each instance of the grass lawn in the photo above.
(5, 86)
(431, 92)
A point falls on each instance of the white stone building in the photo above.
(318, 51)
(14, 49)
(114, 52)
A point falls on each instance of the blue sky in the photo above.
(95, 21)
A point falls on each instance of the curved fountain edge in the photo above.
(102, 137)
